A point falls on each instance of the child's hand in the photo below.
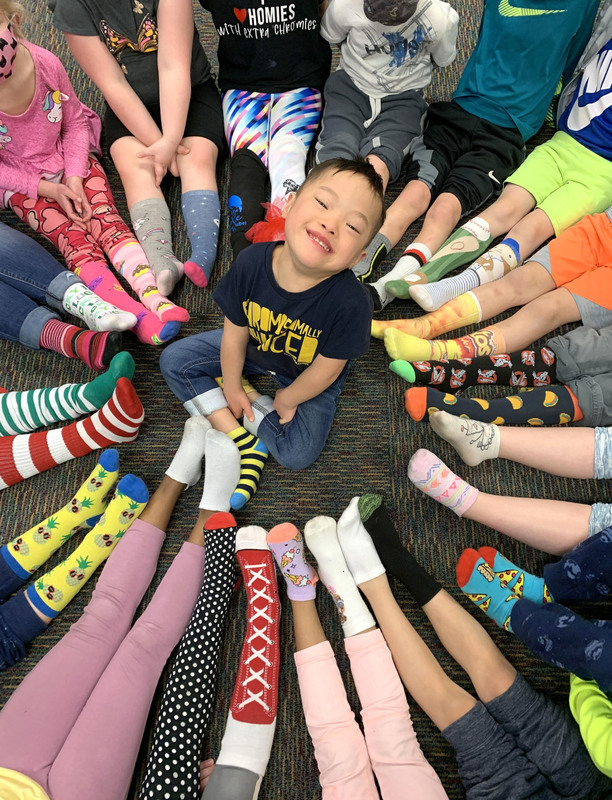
(163, 155)
(68, 200)
(81, 204)
(206, 768)
(239, 403)
(286, 411)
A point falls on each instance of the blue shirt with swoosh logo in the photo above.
(524, 47)
(588, 116)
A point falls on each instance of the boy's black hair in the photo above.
(358, 166)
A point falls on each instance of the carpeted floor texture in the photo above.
(369, 448)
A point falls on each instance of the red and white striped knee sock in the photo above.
(28, 454)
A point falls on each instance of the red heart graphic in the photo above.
(240, 14)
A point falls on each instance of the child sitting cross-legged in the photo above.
(295, 311)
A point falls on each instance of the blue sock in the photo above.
(514, 246)
(476, 579)
(201, 211)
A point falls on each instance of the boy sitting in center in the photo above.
(295, 311)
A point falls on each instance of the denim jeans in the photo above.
(190, 367)
(28, 276)
(523, 745)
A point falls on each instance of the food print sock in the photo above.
(287, 546)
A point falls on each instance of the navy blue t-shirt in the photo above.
(289, 329)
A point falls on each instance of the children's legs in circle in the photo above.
(200, 206)
(569, 452)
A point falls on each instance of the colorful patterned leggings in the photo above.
(278, 128)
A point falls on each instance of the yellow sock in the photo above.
(56, 588)
(244, 381)
(463, 310)
(253, 456)
(25, 553)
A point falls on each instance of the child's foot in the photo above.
(221, 471)
(285, 542)
(151, 330)
(169, 276)
(520, 582)
(322, 541)
(186, 466)
(434, 478)
(96, 313)
(477, 580)
(357, 545)
(100, 390)
(474, 441)
(404, 369)
(253, 456)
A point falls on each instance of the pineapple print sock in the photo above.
(23, 412)
(96, 313)
(474, 441)
(287, 546)
(152, 224)
(129, 260)
(253, 456)
(94, 349)
(28, 454)
(201, 212)
(491, 266)
(434, 478)
(477, 580)
(186, 466)
(556, 405)
(322, 540)
(188, 700)
(519, 581)
(487, 341)
(56, 588)
(357, 545)
(249, 731)
(397, 560)
(519, 369)
(24, 554)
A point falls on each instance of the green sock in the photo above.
(56, 588)
(25, 553)
(253, 456)
(23, 412)
(461, 247)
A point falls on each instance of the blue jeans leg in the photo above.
(191, 365)
(567, 640)
(585, 572)
(22, 320)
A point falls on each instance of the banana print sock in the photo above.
(57, 588)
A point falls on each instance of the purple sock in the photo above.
(287, 546)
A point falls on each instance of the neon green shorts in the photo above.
(567, 180)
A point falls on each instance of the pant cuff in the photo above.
(58, 288)
(261, 408)
(206, 403)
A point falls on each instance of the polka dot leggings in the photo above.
(188, 700)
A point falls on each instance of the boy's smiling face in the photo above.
(330, 222)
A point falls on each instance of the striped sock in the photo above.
(253, 455)
(95, 349)
(30, 453)
(23, 412)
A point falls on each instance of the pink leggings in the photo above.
(390, 748)
(75, 723)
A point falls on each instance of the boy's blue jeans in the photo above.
(190, 367)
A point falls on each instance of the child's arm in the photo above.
(315, 379)
(233, 351)
(335, 22)
(175, 28)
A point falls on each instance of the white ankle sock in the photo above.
(474, 441)
(357, 545)
(186, 466)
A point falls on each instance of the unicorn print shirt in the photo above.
(389, 59)
(52, 137)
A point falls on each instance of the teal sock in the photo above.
(201, 211)
(519, 581)
(477, 580)
(101, 389)
(462, 247)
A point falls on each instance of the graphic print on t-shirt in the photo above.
(265, 21)
(277, 333)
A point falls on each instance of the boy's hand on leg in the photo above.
(285, 410)
(239, 403)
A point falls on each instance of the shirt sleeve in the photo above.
(334, 25)
(444, 51)
(73, 16)
(76, 133)
(229, 293)
(19, 179)
(592, 711)
(350, 333)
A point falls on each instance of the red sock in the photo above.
(95, 349)
(256, 691)
(30, 453)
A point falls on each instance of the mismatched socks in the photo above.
(556, 405)
(94, 349)
(153, 226)
(287, 546)
(253, 456)
(97, 314)
(410, 348)
(434, 478)
(396, 559)
(201, 211)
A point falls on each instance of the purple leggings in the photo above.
(75, 723)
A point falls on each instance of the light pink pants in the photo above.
(75, 723)
(390, 748)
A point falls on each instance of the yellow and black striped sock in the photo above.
(253, 455)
